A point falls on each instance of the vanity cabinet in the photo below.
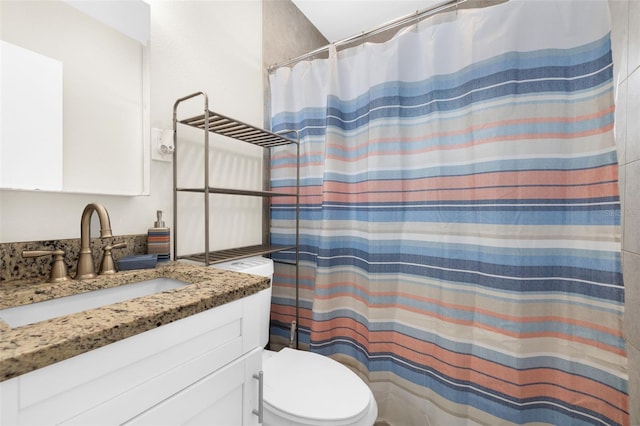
(198, 370)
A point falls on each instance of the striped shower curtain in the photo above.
(460, 217)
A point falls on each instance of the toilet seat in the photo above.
(305, 388)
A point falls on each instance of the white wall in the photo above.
(195, 46)
(215, 47)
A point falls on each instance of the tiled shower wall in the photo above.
(625, 16)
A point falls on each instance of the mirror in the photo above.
(95, 54)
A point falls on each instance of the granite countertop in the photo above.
(29, 347)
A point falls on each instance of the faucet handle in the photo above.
(58, 270)
(108, 266)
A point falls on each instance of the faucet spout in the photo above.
(86, 267)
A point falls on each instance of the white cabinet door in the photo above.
(225, 397)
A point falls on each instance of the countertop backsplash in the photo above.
(14, 267)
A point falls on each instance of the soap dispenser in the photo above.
(158, 239)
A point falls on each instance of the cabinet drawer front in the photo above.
(219, 394)
(133, 401)
(196, 345)
(218, 399)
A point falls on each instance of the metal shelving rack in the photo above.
(211, 122)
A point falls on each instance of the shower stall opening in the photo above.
(460, 217)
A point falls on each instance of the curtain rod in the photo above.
(416, 16)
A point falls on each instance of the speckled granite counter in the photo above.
(34, 346)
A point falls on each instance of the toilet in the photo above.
(305, 388)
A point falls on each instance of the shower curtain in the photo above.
(460, 217)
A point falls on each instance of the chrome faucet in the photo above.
(86, 267)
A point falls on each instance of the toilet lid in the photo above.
(305, 385)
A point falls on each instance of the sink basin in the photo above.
(36, 312)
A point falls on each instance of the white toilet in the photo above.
(304, 388)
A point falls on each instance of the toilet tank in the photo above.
(257, 266)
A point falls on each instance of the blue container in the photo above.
(138, 261)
